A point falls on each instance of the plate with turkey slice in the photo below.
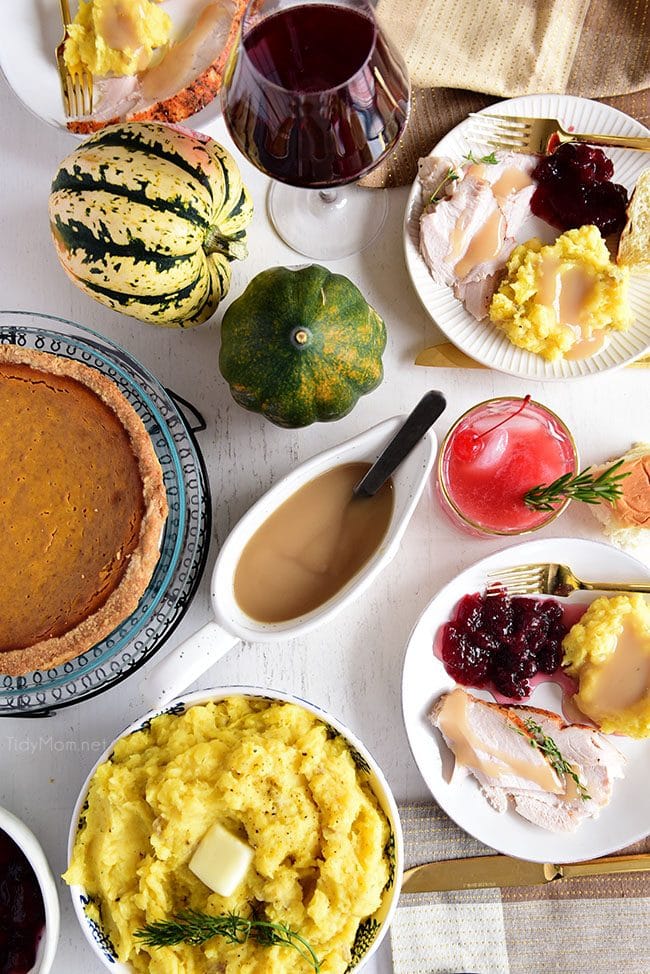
(516, 803)
(460, 295)
(182, 80)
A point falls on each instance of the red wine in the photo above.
(316, 97)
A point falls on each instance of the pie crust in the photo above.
(82, 509)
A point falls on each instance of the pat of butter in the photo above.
(221, 860)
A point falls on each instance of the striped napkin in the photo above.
(465, 54)
(596, 925)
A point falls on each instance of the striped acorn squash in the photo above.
(301, 345)
(147, 217)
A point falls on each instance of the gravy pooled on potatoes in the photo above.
(311, 546)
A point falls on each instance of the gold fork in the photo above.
(76, 89)
(540, 135)
(551, 579)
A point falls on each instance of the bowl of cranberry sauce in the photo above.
(492, 455)
(29, 904)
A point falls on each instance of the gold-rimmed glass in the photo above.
(448, 496)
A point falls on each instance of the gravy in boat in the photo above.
(311, 546)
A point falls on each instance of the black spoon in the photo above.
(411, 432)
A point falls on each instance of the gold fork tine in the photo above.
(520, 580)
(77, 89)
(84, 90)
(517, 570)
(514, 121)
(496, 134)
(510, 122)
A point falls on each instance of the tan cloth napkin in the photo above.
(465, 54)
(582, 926)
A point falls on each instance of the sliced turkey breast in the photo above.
(447, 229)
(596, 762)
(477, 295)
(492, 743)
(550, 812)
(467, 235)
(433, 173)
(498, 745)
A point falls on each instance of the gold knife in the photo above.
(488, 872)
(447, 356)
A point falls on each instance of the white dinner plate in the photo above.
(31, 31)
(480, 339)
(627, 817)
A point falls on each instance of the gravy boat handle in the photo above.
(185, 664)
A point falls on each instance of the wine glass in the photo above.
(315, 97)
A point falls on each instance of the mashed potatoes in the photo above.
(557, 296)
(608, 650)
(116, 36)
(268, 771)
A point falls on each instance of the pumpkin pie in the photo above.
(82, 509)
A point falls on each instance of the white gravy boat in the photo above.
(231, 624)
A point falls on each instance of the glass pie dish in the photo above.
(185, 540)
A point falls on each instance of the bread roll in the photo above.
(634, 245)
(626, 521)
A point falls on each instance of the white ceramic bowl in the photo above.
(28, 843)
(97, 937)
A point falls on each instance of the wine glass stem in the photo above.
(330, 197)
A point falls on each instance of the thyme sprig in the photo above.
(490, 159)
(558, 762)
(193, 927)
(452, 174)
(581, 487)
(450, 177)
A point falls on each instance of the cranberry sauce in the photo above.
(502, 643)
(574, 189)
(22, 913)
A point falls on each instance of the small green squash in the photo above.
(147, 217)
(301, 345)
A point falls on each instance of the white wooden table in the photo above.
(353, 667)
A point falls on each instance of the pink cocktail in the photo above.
(492, 455)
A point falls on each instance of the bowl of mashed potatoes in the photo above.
(236, 802)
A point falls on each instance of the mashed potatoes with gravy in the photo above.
(269, 772)
(116, 37)
(608, 650)
(556, 296)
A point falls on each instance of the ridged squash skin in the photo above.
(301, 346)
(147, 217)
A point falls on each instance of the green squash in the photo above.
(146, 218)
(300, 346)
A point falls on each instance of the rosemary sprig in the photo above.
(490, 159)
(194, 927)
(450, 177)
(581, 487)
(547, 746)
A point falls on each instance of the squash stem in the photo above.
(215, 243)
